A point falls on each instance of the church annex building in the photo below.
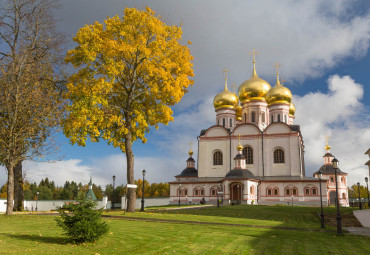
(254, 154)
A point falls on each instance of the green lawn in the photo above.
(38, 234)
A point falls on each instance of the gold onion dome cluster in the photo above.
(253, 89)
(279, 94)
(225, 99)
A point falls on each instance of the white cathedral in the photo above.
(255, 154)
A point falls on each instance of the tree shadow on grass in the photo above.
(40, 239)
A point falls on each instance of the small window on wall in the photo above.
(285, 118)
(248, 154)
(218, 121)
(295, 192)
(245, 118)
(278, 117)
(196, 192)
(202, 192)
(251, 190)
(272, 118)
(231, 122)
(331, 179)
(186, 192)
(269, 192)
(314, 191)
(263, 117)
(275, 192)
(344, 195)
(217, 158)
(307, 191)
(253, 117)
(223, 122)
(287, 192)
(278, 156)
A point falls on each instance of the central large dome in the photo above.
(253, 89)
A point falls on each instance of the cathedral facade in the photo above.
(254, 154)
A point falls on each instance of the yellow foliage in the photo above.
(130, 71)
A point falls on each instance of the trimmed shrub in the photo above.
(81, 222)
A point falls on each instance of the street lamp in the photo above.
(218, 200)
(179, 193)
(114, 181)
(292, 199)
(339, 217)
(239, 194)
(37, 199)
(322, 211)
(359, 195)
(142, 197)
(367, 186)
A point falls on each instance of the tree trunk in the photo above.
(18, 188)
(131, 193)
(10, 190)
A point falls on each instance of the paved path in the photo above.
(358, 231)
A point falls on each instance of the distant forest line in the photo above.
(71, 190)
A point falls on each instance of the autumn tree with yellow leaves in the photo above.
(130, 70)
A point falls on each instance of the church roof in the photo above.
(240, 174)
(296, 128)
(203, 132)
(286, 178)
(188, 172)
(90, 195)
(328, 155)
(190, 159)
(328, 169)
(239, 156)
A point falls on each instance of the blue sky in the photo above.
(323, 49)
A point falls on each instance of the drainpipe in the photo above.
(263, 158)
(230, 150)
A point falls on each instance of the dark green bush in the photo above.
(81, 222)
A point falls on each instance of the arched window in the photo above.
(223, 122)
(285, 118)
(196, 192)
(179, 192)
(251, 190)
(278, 156)
(248, 154)
(263, 117)
(186, 192)
(202, 192)
(295, 191)
(217, 158)
(331, 179)
(342, 180)
(314, 191)
(307, 191)
(218, 121)
(245, 118)
(287, 192)
(253, 117)
(344, 195)
(269, 192)
(278, 117)
(272, 118)
(231, 122)
(276, 192)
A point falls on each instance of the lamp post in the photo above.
(339, 217)
(239, 193)
(292, 199)
(204, 194)
(179, 193)
(367, 187)
(359, 196)
(37, 199)
(218, 200)
(322, 210)
(142, 197)
(114, 181)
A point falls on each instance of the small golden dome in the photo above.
(239, 110)
(253, 89)
(291, 109)
(327, 147)
(279, 94)
(190, 152)
(225, 99)
(240, 147)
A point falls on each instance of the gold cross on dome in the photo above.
(327, 139)
(234, 86)
(225, 71)
(277, 67)
(254, 53)
(282, 81)
(190, 145)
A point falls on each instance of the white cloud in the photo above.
(341, 115)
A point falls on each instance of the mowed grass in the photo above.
(283, 216)
(38, 234)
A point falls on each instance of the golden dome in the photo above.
(279, 94)
(225, 99)
(253, 89)
(291, 109)
(190, 152)
(239, 110)
(240, 147)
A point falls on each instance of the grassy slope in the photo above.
(26, 234)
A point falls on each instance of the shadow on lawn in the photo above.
(40, 239)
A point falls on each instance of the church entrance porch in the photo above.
(236, 192)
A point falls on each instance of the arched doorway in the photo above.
(332, 197)
(236, 191)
